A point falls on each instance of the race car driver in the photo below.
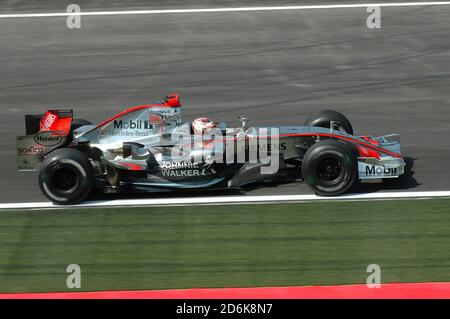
(202, 124)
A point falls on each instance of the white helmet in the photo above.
(201, 124)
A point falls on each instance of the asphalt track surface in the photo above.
(30, 6)
(275, 67)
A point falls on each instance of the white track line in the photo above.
(239, 9)
(230, 200)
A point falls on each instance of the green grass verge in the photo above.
(225, 246)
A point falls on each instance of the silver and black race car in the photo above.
(149, 148)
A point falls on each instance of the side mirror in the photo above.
(244, 121)
(334, 125)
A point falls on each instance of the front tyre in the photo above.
(329, 168)
(325, 117)
(66, 176)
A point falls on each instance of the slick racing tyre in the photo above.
(324, 118)
(329, 168)
(77, 123)
(66, 176)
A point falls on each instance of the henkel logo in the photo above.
(47, 139)
(131, 125)
(48, 120)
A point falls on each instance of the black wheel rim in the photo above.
(65, 179)
(330, 170)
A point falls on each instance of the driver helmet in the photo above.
(201, 124)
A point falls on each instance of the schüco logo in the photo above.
(47, 139)
(380, 171)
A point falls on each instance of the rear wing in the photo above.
(44, 133)
(52, 120)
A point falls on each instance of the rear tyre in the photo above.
(66, 176)
(329, 168)
(77, 123)
(324, 118)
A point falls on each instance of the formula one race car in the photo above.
(148, 148)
